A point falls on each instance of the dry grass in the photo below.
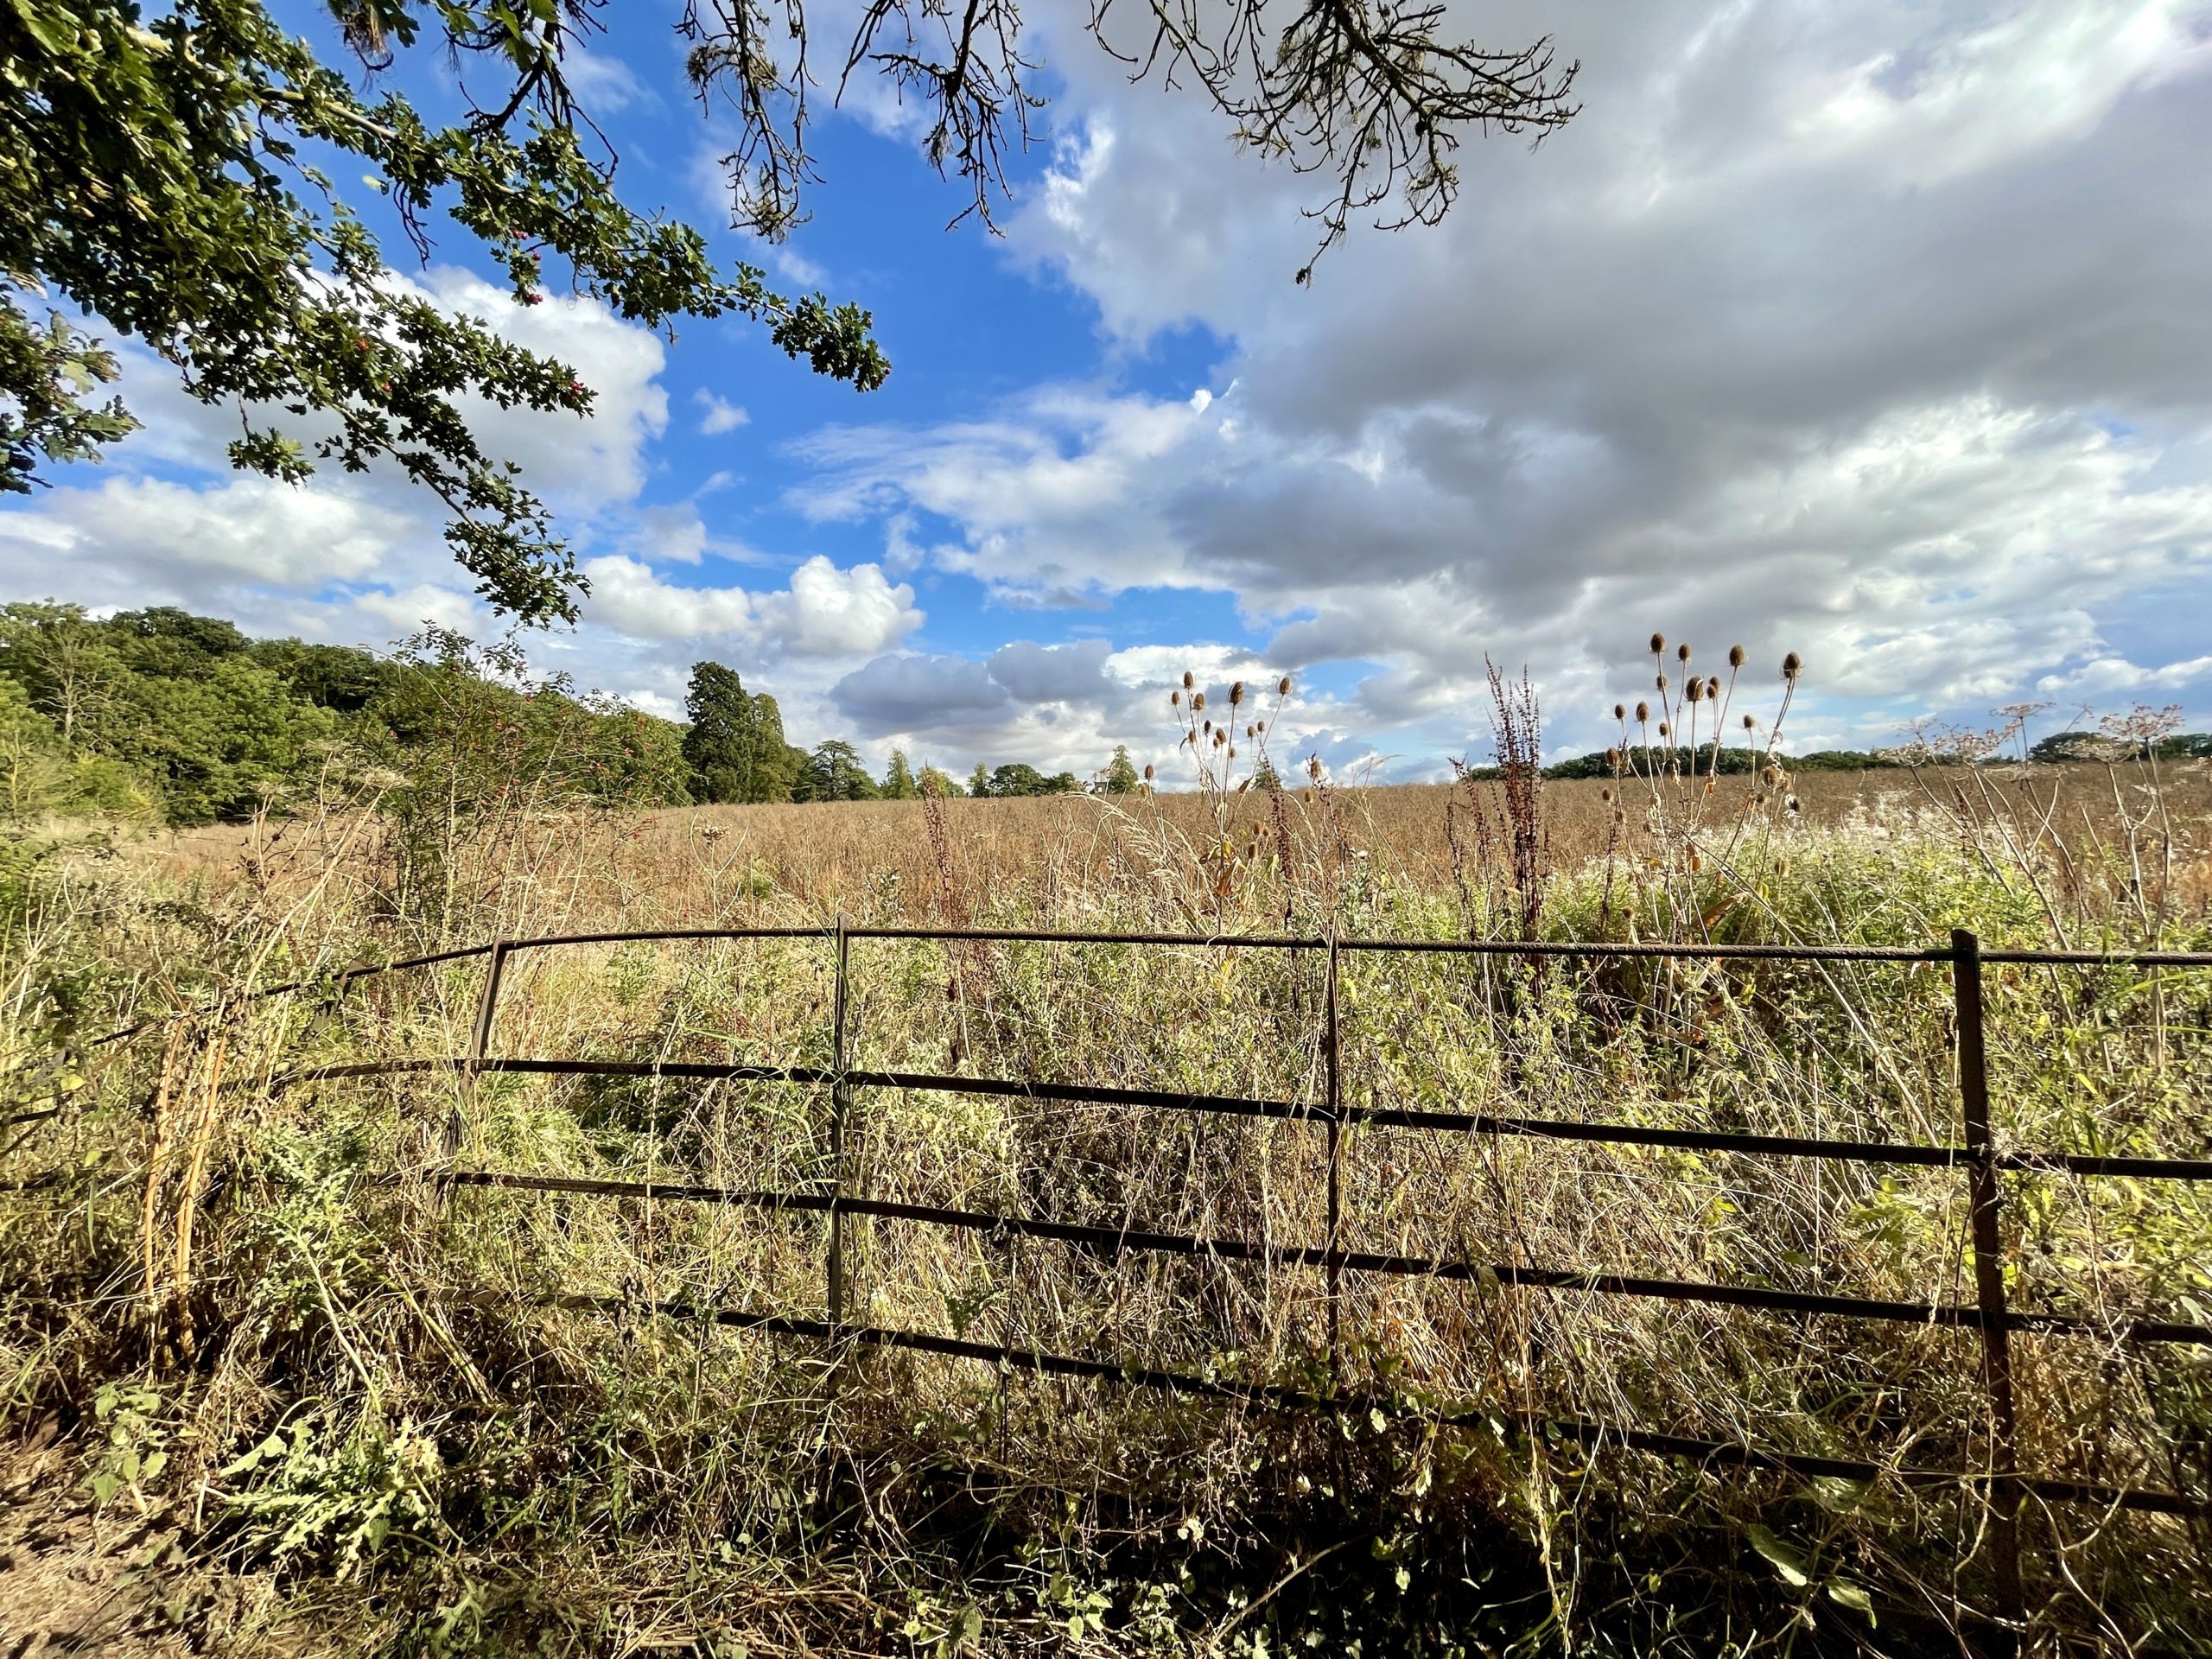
(683, 865)
(440, 1419)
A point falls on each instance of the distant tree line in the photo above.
(164, 713)
(2060, 748)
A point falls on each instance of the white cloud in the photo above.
(2110, 676)
(719, 415)
(127, 536)
(579, 463)
(823, 612)
(602, 82)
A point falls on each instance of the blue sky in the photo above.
(1874, 333)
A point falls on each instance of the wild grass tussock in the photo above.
(364, 1388)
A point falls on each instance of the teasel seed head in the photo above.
(1208, 728)
(1313, 767)
(1175, 699)
(1663, 682)
(1713, 688)
(1235, 693)
(1189, 679)
(1662, 728)
(1252, 730)
(1658, 644)
(1736, 655)
(1619, 713)
(1695, 690)
(1605, 794)
(1792, 666)
(1613, 759)
(1282, 686)
(1770, 775)
(1683, 652)
(1750, 723)
(1642, 713)
(1198, 700)
(1148, 771)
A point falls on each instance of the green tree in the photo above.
(68, 664)
(39, 775)
(218, 744)
(1121, 777)
(344, 679)
(164, 639)
(171, 698)
(898, 783)
(834, 772)
(979, 781)
(156, 176)
(736, 744)
(1016, 777)
(632, 759)
(940, 783)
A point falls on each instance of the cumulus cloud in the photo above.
(914, 693)
(2109, 677)
(822, 611)
(718, 415)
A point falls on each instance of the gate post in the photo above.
(840, 1105)
(1985, 1198)
(1334, 1069)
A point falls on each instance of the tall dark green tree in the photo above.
(156, 177)
(735, 744)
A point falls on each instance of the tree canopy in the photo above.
(834, 772)
(157, 179)
(1120, 777)
(736, 745)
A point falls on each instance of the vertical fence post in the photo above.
(479, 1044)
(1984, 1195)
(1333, 1064)
(839, 1102)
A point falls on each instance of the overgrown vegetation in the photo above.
(245, 1309)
